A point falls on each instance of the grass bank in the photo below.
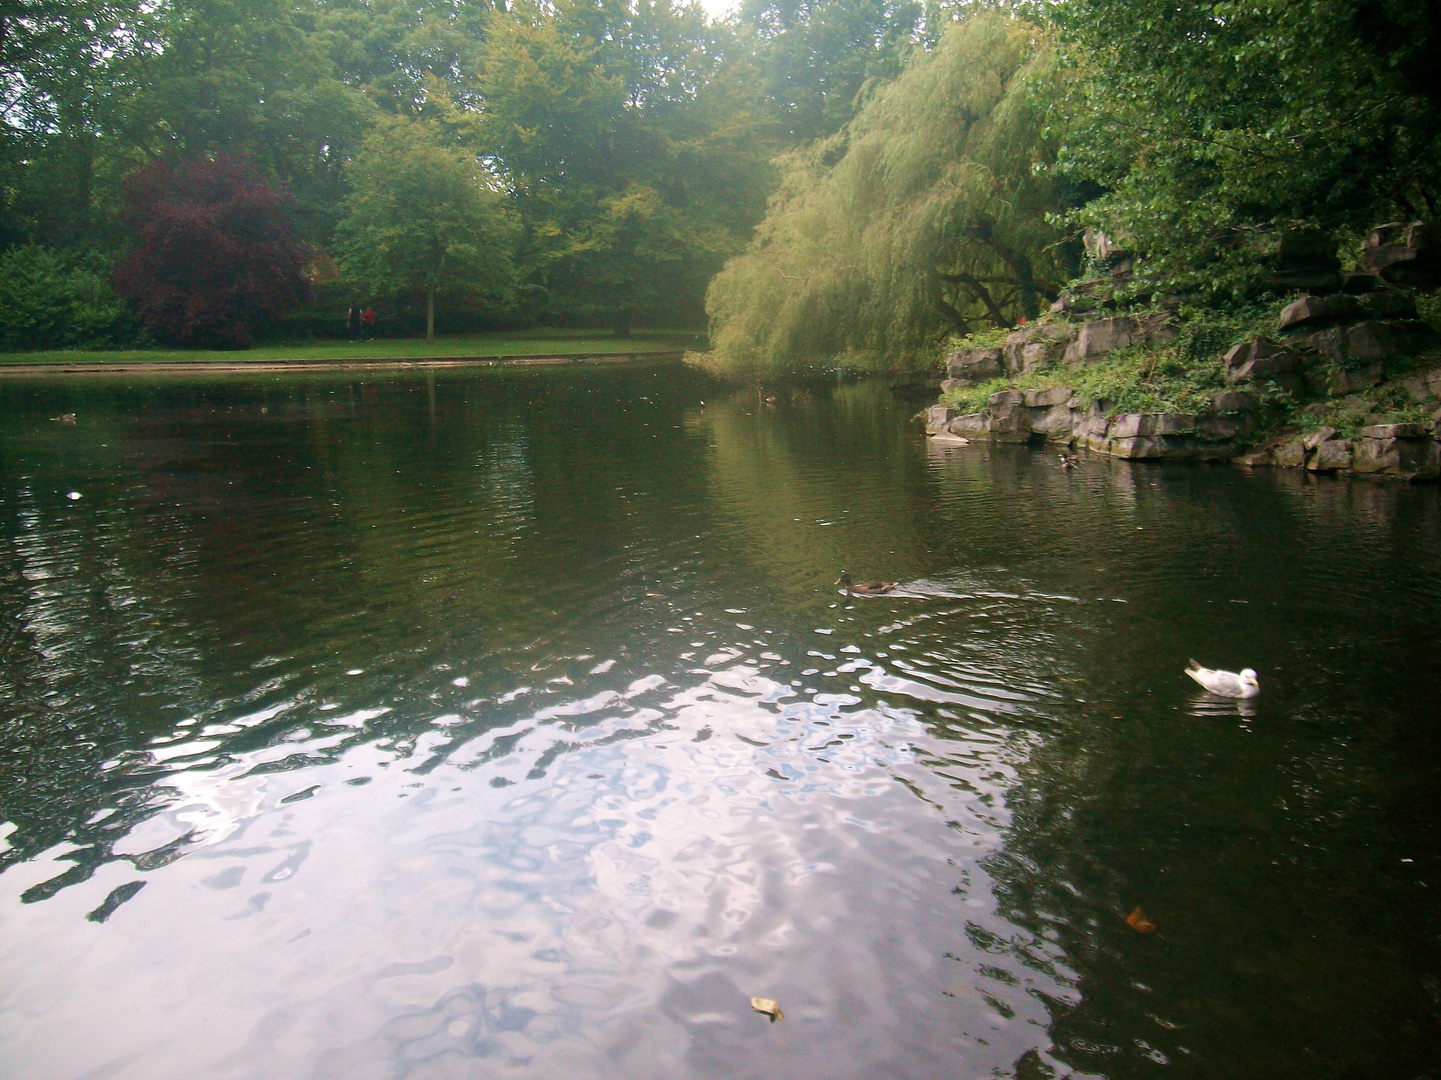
(507, 344)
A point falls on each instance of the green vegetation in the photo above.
(1210, 128)
(496, 344)
(926, 216)
(421, 217)
(51, 298)
(826, 182)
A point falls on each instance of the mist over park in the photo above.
(638, 540)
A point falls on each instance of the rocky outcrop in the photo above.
(1100, 336)
(969, 367)
(1055, 414)
(1305, 259)
(1035, 347)
(1404, 253)
(1262, 360)
(1404, 451)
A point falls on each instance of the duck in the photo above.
(1069, 461)
(1225, 683)
(864, 588)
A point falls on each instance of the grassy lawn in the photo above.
(516, 343)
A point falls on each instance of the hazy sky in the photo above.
(717, 8)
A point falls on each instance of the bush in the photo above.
(60, 300)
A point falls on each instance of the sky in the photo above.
(718, 9)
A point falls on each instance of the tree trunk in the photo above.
(429, 314)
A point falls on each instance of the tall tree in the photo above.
(68, 75)
(928, 216)
(622, 132)
(252, 77)
(817, 58)
(216, 257)
(425, 218)
(397, 50)
(1211, 127)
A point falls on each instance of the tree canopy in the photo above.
(926, 217)
(422, 217)
(1208, 128)
(217, 256)
(871, 174)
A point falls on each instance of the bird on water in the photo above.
(1225, 683)
(864, 588)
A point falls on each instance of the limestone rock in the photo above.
(969, 424)
(1044, 399)
(1404, 253)
(1426, 387)
(1098, 337)
(1373, 455)
(1137, 448)
(1259, 358)
(1372, 341)
(1420, 459)
(1034, 347)
(1349, 380)
(1330, 343)
(1005, 401)
(938, 416)
(1316, 309)
(1101, 336)
(1317, 437)
(1037, 355)
(1010, 419)
(1330, 455)
(1214, 428)
(1394, 431)
(972, 366)
(1134, 425)
(1291, 455)
(1090, 428)
(1306, 259)
(1056, 423)
(1229, 401)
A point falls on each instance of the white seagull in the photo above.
(1225, 683)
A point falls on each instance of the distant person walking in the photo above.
(367, 324)
(352, 322)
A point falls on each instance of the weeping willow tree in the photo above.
(927, 216)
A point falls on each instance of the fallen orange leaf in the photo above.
(1138, 922)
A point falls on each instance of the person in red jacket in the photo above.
(367, 324)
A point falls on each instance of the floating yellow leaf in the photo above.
(1138, 922)
(767, 1006)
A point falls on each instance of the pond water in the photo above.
(509, 724)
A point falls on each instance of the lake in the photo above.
(508, 723)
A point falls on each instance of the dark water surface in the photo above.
(508, 724)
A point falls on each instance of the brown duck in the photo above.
(864, 588)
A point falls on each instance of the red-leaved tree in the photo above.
(217, 256)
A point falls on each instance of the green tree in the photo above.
(69, 71)
(424, 218)
(1208, 128)
(927, 216)
(397, 50)
(638, 160)
(252, 77)
(815, 58)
